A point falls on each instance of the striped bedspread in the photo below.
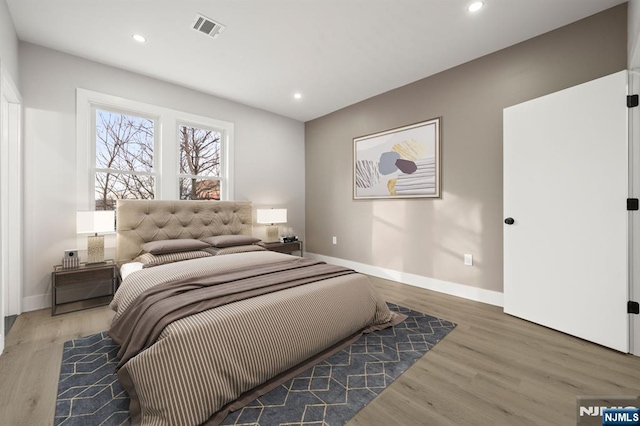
(201, 364)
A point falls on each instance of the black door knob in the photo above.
(509, 221)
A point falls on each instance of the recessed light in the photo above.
(297, 95)
(139, 38)
(475, 6)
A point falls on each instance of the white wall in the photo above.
(268, 150)
(8, 43)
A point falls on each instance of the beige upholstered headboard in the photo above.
(141, 221)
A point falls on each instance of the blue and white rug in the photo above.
(330, 393)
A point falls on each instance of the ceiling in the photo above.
(334, 52)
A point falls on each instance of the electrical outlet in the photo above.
(335, 240)
(468, 260)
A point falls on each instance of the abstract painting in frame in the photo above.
(398, 163)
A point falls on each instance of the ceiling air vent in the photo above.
(207, 26)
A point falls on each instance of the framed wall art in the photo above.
(398, 163)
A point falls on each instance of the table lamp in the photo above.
(271, 216)
(92, 222)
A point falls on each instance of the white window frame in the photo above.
(223, 148)
(157, 184)
(166, 149)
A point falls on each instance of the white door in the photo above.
(634, 191)
(565, 186)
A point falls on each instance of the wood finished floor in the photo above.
(493, 369)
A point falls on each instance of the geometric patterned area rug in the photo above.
(329, 393)
(88, 389)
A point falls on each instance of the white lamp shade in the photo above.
(92, 222)
(271, 215)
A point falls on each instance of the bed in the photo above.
(190, 360)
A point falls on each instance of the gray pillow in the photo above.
(149, 259)
(173, 246)
(230, 240)
(216, 251)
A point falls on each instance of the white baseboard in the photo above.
(42, 301)
(34, 303)
(473, 293)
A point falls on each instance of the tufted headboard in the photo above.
(141, 221)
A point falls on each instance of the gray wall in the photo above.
(634, 34)
(8, 43)
(428, 237)
(263, 143)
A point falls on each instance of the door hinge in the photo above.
(633, 307)
(632, 101)
(632, 204)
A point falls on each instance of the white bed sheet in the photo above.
(128, 268)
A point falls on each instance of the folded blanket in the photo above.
(142, 323)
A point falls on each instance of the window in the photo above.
(130, 149)
(124, 160)
(200, 167)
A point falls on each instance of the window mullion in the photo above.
(128, 172)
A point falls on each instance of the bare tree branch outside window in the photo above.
(124, 158)
(199, 163)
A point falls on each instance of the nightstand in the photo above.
(84, 287)
(287, 248)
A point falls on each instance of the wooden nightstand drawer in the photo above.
(287, 248)
(78, 276)
(84, 290)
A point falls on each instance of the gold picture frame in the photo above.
(398, 163)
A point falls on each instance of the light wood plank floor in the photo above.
(493, 369)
